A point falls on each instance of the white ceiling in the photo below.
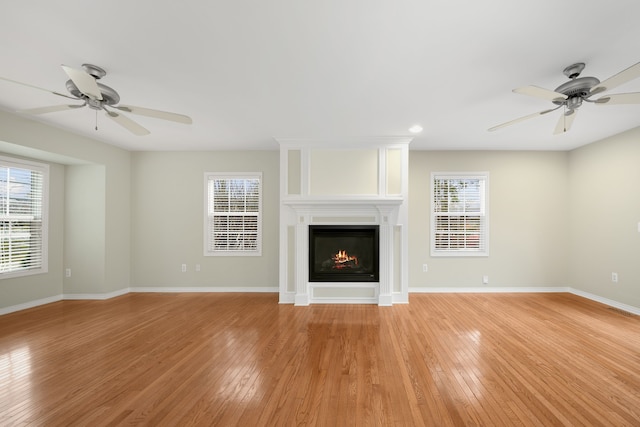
(247, 71)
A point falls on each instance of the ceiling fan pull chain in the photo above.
(96, 119)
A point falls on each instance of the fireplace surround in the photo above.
(337, 184)
(382, 214)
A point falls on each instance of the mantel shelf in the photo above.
(351, 201)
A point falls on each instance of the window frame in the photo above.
(483, 214)
(44, 169)
(209, 233)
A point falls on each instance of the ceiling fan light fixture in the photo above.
(574, 102)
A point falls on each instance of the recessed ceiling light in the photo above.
(415, 129)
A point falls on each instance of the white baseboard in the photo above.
(30, 304)
(108, 295)
(486, 290)
(400, 298)
(606, 301)
(102, 296)
(529, 289)
(186, 289)
(288, 298)
(369, 301)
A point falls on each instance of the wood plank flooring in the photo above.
(245, 360)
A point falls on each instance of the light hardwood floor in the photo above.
(242, 359)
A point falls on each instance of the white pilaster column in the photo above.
(386, 264)
(302, 263)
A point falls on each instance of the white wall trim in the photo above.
(102, 296)
(529, 289)
(606, 301)
(400, 298)
(345, 300)
(30, 304)
(486, 290)
(397, 298)
(186, 289)
(287, 298)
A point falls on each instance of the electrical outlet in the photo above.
(184, 268)
(197, 267)
(67, 272)
(485, 280)
(614, 277)
(425, 268)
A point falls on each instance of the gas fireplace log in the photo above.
(332, 264)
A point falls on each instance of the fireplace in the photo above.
(346, 190)
(343, 253)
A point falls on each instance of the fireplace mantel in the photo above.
(344, 184)
(342, 205)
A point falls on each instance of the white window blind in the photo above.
(459, 214)
(23, 206)
(233, 218)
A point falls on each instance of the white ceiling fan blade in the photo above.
(84, 82)
(624, 76)
(156, 114)
(619, 98)
(51, 109)
(520, 119)
(127, 123)
(565, 122)
(36, 87)
(538, 92)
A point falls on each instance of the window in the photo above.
(23, 217)
(233, 218)
(459, 214)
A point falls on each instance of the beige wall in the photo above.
(84, 225)
(605, 215)
(527, 213)
(109, 183)
(556, 218)
(168, 217)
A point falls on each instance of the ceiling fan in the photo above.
(83, 86)
(577, 90)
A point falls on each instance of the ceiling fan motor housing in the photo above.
(109, 95)
(579, 87)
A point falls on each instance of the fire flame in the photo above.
(343, 257)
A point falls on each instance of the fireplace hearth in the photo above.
(343, 253)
